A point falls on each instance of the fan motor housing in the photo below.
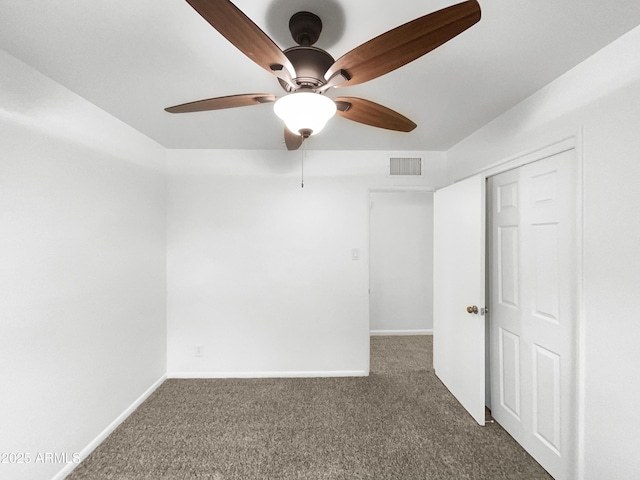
(311, 64)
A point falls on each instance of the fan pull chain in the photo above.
(304, 154)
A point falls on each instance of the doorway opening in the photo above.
(401, 262)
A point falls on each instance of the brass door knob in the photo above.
(472, 309)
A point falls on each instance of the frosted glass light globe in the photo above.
(305, 112)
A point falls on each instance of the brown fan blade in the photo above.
(370, 113)
(291, 140)
(247, 37)
(404, 44)
(219, 103)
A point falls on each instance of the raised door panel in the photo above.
(546, 397)
(545, 260)
(509, 359)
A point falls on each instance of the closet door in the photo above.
(532, 273)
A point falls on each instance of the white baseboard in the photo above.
(380, 333)
(290, 374)
(84, 453)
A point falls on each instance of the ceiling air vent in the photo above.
(405, 166)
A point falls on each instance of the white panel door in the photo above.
(532, 221)
(401, 262)
(459, 282)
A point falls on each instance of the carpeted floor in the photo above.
(398, 423)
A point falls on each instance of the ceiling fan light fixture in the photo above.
(305, 113)
(310, 71)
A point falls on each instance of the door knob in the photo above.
(472, 309)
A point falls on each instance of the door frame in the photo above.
(575, 143)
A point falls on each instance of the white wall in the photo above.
(82, 269)
(599, 101)
(259, 269)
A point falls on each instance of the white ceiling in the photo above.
(133, 58)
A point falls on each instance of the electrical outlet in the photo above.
(199, 350)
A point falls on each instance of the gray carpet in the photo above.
(399, 423)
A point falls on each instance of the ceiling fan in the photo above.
(306, 72)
